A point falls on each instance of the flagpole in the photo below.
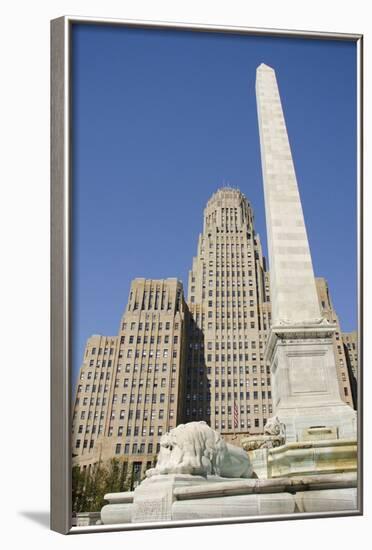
(235, 418)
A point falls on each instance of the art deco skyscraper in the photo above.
(227, 383)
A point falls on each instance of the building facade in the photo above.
(175, 362)
(227, 380)
(345, 377)
(91, 403)
(350, 340)
(140, 395)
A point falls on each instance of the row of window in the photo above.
(104, 351)
(148, 398)
(159, 326)
(230, 370)
(233, 239)
(126, 383)
(93, 388)
(97, 375)
(198, 359)
(228, 396)
(137, 431)
(232, 294)
(145, 414)
(242, 308)
(149, 382)
(216, 357)
(225, 249)
(131, 414)
(131, 352)
(242, 424)
(136, 449)
(226, 344)
(98, 363)
(87, 428)
(226, 282)
(227, 274)
(149, 367)
(351, 345)
(240, 383)
(149, 340)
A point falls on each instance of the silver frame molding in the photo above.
(61, 240)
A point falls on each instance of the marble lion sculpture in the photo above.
(195, 448)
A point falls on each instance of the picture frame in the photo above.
(62, 236)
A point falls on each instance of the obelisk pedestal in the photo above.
(305, 388)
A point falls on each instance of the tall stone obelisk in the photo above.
(299, 349)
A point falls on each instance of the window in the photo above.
(117, 448)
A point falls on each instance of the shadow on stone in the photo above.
(42, 518)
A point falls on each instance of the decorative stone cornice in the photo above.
(297, 331)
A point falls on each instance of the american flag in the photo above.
(236, 415)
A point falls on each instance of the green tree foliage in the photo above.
(90, 487)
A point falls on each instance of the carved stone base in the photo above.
(312, 457)
(253, 442)
(178, 497)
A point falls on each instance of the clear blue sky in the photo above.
(162, 118)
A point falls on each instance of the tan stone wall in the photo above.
(91, 404)
(142, 395)
(350, 340)
(329, 313)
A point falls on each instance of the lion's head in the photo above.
(273, 426)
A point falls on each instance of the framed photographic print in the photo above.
(206, 274)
